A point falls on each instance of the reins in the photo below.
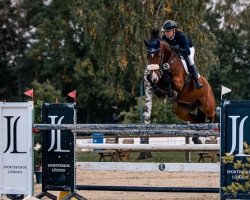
(169, 61)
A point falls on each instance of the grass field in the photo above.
(172, 157)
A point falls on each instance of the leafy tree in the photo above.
(229, 22)
(46, 92)
(15, 36)
(95, 47)
(121, 51)
(61, 54)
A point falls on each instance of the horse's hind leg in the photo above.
(201, 117)
(183, 112)
(211, 119)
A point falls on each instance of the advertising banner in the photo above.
(16, 148)
(235, 150)
(58, 148)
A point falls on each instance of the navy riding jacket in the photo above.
(182, 40)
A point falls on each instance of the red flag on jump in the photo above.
(72, 94)
(29, 93)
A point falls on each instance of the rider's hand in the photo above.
(176, 48)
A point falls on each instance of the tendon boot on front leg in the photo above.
(168, 79)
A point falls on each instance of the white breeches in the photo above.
(191, 56)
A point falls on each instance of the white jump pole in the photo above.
(182, 147)
(149, 167)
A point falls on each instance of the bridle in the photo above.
(165, 66)
(164, 69)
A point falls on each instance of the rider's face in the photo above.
(169, 34)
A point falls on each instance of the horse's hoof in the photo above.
(141, 157)
(173, 95)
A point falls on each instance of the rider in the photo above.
(183, 45)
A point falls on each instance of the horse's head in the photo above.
(158, 53)
(153, 59)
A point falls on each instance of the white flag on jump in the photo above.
(224, 90)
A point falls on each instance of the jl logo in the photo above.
(56, 136)
(12, 136)
(240, 134)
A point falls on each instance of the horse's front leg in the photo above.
(168, 84)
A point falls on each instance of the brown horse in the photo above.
(168, 77)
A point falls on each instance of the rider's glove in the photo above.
(176, 48)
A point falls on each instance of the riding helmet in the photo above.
(169, 25)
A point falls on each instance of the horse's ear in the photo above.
(146, 43)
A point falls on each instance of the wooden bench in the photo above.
(112, 154)
(124, 154)
(212, 155)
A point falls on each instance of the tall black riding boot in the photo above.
(193, 71)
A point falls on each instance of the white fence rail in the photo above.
(154, 167)
(182, 147)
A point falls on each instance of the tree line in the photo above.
(96, 47)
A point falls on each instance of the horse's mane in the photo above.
(155, 34)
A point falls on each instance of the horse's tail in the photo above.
(155, 33)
